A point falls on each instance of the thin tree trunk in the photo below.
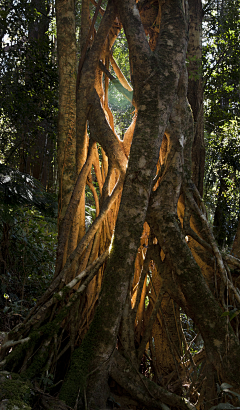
(66, 43)
(195, 90)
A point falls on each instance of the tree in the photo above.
(97, 326)
(29, 90)
(221, 62)
(28, 216)
(27, 144)
(221, 70)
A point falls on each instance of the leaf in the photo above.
(224, 406)
(225, 313)
(231, 313)
(225, 386)
(164, 406)
(17, 188)
(233, 393)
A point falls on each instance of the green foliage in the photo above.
(221, 62)
(28, 113)
(28, 240)
(90, 206)
(17, 391)
(28, 247)
(17, 188)
(222, 179)
(122, 113)
(231, 313)
(121, 107)
(28, 78)
(191, 334)
(121, 54)
(90, 214)
(47, 381)
(221, 68)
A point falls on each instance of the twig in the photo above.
(11, 343)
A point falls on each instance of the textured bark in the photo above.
(66, 40)
(141, 388)
(195, 90)
(154, 97)
(200, 300)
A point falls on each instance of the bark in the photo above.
(141, 388)
(195, 90)
(36, 148)
(66, 41)
(154, 97)
(200, 300)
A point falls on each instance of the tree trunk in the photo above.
(66, 41)
(195, 90)
(154, 98)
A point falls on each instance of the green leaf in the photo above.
(225, 313)
(164, 406)
(224, 406)
(231, 313)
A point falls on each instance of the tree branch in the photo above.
(143, 389)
